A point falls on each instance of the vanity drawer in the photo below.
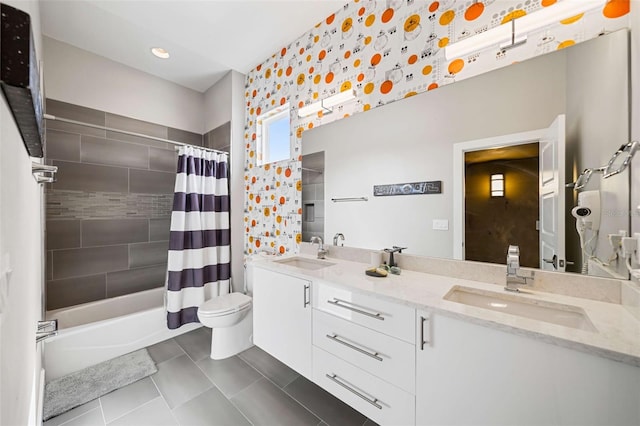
(373, 397)
(391, 359)
(386, 317)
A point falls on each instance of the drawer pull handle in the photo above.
(340, 303)
(336, 338)
(335, 378)
(307, 300)
(424, 340)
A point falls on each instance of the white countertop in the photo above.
(617, 336)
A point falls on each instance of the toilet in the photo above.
(231, 320)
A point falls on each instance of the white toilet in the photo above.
(231, 320)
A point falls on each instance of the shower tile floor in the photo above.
(252, 388)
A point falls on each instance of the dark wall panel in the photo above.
(73, 291)
(88, 261)
(62, 234)
(150, 182)
(105, 232)
(108, 215)
(91, 177)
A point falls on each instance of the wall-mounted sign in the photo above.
(414, 188)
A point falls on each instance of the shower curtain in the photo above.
(198, 266)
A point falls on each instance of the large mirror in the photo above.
(414, 140)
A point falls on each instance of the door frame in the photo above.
(459, 149)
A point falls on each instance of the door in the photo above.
(551, 193)
(282, 318)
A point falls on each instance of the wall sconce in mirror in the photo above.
(326, 105)
(497, 185)
(621, 159)
(508, 36)
(618, 163)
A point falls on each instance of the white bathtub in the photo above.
(94, 332)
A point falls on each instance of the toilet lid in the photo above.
(224, 304)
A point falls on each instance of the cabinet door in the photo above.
(282, 318)
(471, 374)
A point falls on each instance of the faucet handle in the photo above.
(513, 250)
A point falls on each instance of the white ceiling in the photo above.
(205, 38)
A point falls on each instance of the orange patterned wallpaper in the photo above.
(385, 51)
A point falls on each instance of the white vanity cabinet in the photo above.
(472, 374)
(364, 353)
(282, 318)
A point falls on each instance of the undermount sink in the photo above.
(304, 263)
(555, 313)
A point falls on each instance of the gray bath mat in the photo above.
(77, 388)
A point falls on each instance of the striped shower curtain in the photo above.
(199, 248)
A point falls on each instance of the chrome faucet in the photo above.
(395, 249)
(514, 275)
(322, 252)
(339, 235)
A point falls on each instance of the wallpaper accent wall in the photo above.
(385, 50)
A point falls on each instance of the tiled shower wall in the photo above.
(313, 196)
(108, 214)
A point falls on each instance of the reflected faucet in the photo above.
(322, 252)
(339, 235)
(514, 275)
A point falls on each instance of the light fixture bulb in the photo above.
(497, 185)
(160, 52)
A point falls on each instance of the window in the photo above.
(273, 136)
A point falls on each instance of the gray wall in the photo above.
(219, 138)
(597, 124)
(108, 214)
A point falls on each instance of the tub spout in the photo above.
(46, 329)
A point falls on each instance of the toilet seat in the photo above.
(224, 305)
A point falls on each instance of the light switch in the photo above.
(441, 224)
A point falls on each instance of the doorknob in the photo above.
(553, 261)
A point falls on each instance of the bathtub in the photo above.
(94, 332)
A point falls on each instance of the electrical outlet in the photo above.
(441, 224)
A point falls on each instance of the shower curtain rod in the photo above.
(125, 132)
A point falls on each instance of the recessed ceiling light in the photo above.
(160, 52)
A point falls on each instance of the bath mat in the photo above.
(82, 386)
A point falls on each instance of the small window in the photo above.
(273, 136)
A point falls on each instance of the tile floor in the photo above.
(189, 388)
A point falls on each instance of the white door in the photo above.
(282, 318)
(551, 192)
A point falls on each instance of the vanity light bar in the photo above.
(503, 33)
(327, 104)
(310, 109)
(339, 98)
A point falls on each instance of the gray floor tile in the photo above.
(263, 403)
(179, 380)
(230, 375)
(324, 405)
(196, 343)
(272, 369)
(164, 351)
(154, 413)
(209, 409)
(72, 414)
(128, 398)
(90, 418)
